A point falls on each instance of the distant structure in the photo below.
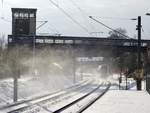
(23, 21)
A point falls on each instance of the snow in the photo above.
(74, 96)
(83, 103)
(122, 101)
(52, 104)
(114, 101)
(30, 87)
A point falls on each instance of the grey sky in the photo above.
(101, 9)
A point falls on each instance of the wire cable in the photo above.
(84, 14)
(69, 16)
(50, 26)
(81, 10)
(109, 27)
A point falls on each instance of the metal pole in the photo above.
(146, 66)
(74, 67)
(16, 76)
(126, 83)
(138, 80)
(119, 80)
(15, 89)
(33, 62)
(81, 74)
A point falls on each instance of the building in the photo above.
(23, 21)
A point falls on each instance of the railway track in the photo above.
(51, 96)
(35, 98)
(81, 104)
(74, 98)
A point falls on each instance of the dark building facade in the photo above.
(23, 21)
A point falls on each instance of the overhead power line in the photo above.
(84, 14)
(69, 16)
(81, 10)
(53, 29)
(109, 27)
(50, 27)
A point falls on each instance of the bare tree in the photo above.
(118, 33)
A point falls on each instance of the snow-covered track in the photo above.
(99, 95)
(82, 103)
(38, 97)
(17, 107)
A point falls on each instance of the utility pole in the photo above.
(16, 76)
(139, 66)
(74, 67)
(147, 58)
(15, 99)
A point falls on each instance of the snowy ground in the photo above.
(115, 101)
(31, 87)
(122, 101)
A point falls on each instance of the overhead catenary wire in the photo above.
(52, 29)
(109, 27)
(69, 16)
(50, 26)
(78, 7)
(84, 14)
(56, 31)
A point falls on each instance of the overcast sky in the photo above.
(114, 13)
